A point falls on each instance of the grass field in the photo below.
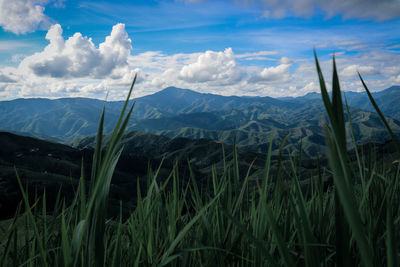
(234, 220)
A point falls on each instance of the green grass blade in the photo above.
(311, 258)
(187, 227)
(391, 250)
(338, 159)
(98, 150)
(346, 199)
(238, 200)
(358, 158)
(282, 248)
(324, 91)
(337, 108)
(32, 220)
(65, 246)
(259, 244)
(381, 116)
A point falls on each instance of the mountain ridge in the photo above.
(176, 112)
(170, 89)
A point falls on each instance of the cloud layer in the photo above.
(76, 67)
(364, 9)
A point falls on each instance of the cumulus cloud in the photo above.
(351, 71)
(8, 75)
(280, 73)
(6, 79)
(217, 67)
(23, 16)
(364, 9)
(397, 79)
(286, 60)
(78, 56)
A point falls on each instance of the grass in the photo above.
(234, 220)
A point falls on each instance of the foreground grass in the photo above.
(234, 220)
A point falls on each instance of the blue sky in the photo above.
(262, 47)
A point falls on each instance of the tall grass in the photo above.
(235, 219)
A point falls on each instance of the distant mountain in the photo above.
(175, 112)
(386, 99)
(64, 118)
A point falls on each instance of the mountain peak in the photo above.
(172, 89)
(176, 90)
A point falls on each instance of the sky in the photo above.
(75, 48)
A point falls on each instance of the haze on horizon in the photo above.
(74, 48)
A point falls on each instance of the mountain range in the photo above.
(174, 112)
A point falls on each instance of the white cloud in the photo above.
(286, 60)
(351, 71)
(397, 79)
(310, 87)
(339, 43)
(17, 58)
(378, 69)
(78, 56)
(358, 47)
(6, 79)
(218, 67)
(261, 55)
(278, 74)
(158, 61)
(23, 16)
(8, 75)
